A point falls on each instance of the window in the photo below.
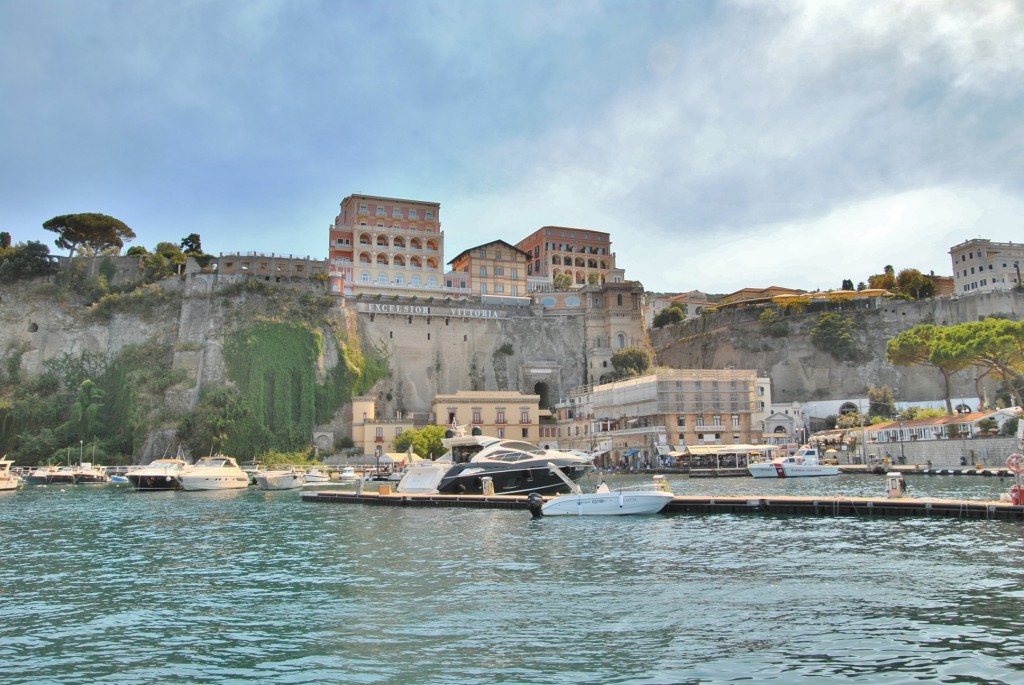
(380, 211)
(432, 282)
(382, 278)
(428, 214)
(413, 214)
(499, 271)
(501, 433)
(680, 422)
(524, 416)
(500, 415)
(398, 431)
(399, 279)
(483, 272)
(379, 437)
(735, 421)
(362, 209)
(364, 277)
(526, 433)
(396, 213)
(499, 288)
(716, 420)
(476, 416)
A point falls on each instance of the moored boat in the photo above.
(160, 474)
(214, 473)
(91, 474)
(280, 479)
(805, 462)
(42, 475)
(476, 462)
(315, 476)
(605, 501)
(8, 479)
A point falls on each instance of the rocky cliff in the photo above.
(801, 372)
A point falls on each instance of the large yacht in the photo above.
(515, 467)
(161, 474)
(214, 473)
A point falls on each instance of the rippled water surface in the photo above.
(105, 585)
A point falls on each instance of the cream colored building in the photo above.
(500, 414)
(372, 434)
(664, 411)
(385, 245)
(981, 265)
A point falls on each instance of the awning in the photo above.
(630, 453)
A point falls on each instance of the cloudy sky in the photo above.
(723, 144)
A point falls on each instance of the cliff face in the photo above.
(801, 372)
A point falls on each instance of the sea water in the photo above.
(106, 585)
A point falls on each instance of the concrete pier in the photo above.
(688, 504)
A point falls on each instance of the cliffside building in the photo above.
(981, 265)
(386, 245)
(492, 270)
(496, 413)
(583, 254)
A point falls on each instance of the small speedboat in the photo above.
(604, 501)
(315, 476)
(280, 479)
(349, 475)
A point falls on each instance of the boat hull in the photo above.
(607, 504)
(153, 481)
(195, 483)
(766, 469)
(520, 480)
(279, 480)
(804, 471)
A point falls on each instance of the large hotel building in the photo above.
(386, 245)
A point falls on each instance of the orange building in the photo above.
(583, 254)
(386, 245)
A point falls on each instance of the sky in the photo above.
(722, 143)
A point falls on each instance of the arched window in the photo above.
(364, 277)
(399, 279)
(620, 341)
(432, 282)
(382, 278)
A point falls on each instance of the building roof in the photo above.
(493, 242)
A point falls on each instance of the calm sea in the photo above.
(105, 585)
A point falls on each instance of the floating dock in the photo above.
(865, 507)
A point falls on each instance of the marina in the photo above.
(279, 591)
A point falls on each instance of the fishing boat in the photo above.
(478, 464)
(603, 501)
(214, 473)
(803, 463)
(8, 479)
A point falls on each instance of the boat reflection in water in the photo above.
(514, 467)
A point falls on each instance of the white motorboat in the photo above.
(604, 501)
(160, 474)
(349, 475)
(475, 463)
(315, 476)
(8, 479)
(214, 473)
(805, 462)
(280, 479)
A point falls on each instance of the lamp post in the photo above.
(903, 456)
(81, 450)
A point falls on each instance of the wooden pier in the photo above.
(865, 507)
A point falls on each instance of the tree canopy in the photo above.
(192, 244)
(97, 232)
(630, 362)
(996, 345)
(25, 260)
(425, 442)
